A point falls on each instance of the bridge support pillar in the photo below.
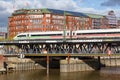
(76, 65)
(99, 63)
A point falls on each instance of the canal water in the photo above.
(108, 73)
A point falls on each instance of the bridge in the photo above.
(52, 49)
(83, 46)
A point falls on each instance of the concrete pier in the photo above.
(2, 69)
(75, 65)
(110, 61)
(70, 64)
(18, 64)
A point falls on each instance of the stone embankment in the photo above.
(74, 65)
(2, 69)
(15, 64)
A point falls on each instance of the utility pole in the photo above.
(64, 31)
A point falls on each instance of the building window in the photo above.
(47, 15)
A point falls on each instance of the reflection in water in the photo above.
(108, 73)
(91, 75)
(25, 75)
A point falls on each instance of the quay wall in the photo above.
(65, 65)
(110, 61)
(1, 62)
(2, 69)
(18, 64)
(74, 65)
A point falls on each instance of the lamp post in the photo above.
(64, 31)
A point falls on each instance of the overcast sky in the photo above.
(86, 6)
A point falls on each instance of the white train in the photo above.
(79, 34)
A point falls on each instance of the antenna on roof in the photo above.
(27, 5)
(14, 6)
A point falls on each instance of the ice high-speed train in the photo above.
(78, 34)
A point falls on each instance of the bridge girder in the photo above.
(70, 48)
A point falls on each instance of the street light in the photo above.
(64, 31)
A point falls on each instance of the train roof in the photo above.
(78, 31)
(98, 31)
(47, 32)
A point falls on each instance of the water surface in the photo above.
(108, 73)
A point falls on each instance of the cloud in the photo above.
(7, 7)
(111, 3)
(55, 4)
(2, 8)
(5, 10)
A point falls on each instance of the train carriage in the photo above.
(79, 34)
(49, 35)
(97, 33)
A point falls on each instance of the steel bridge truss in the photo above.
(72, 48)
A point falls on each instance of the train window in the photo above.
(73, 33)
(99, 33)
(58, 34)
(68, 34)
(35, 35)
(27, 35)
(21, 36)
(47, 35)
(80, 33)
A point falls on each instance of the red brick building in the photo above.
(38, 20)
(35, 20)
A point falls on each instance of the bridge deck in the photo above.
(58, 41)
(73, 55)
